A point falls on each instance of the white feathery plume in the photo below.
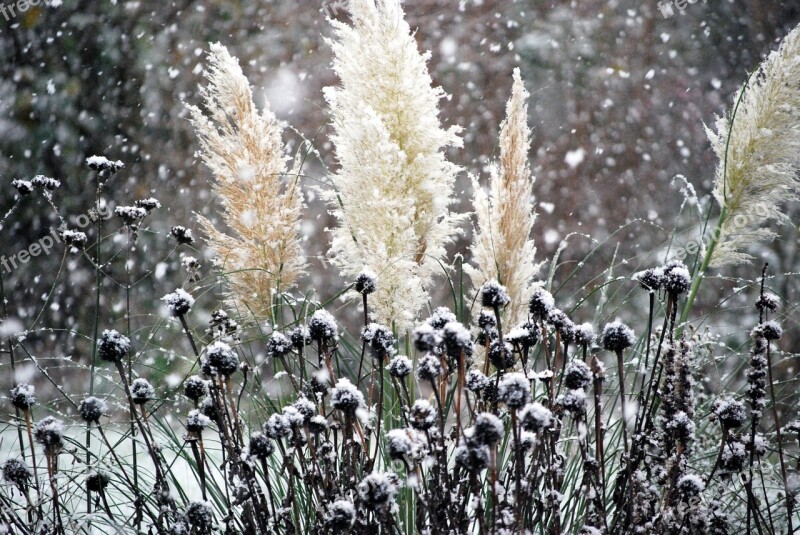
(759, 155)
(394, 185)
(502, 249)
(261, 252)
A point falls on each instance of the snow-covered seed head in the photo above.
(680, 427)
(322, 326)
(476, 381)
(379, 339)
(677, 279)
(561, 323)
(130, 215)
(524, 336)
(92, 409)
(200, 516)
(577, 375)
(196, 421)
(651, 279)
(43, 182)
(501, 355)
(208, 408)
(734, 455)
(429, 368)
(472, 458)
(341, 516)
(49, 432)
(572, 401)
(346, 397)
(293, 416)
(23, 396)
(74, 238)
(142, 391)
(277, 427)
(486, 320)
(378, 490)
(771, 330)
(221, 359)
(195, 387)
(690, 486)
(182, 235)
(261, 446)
(279, 345)
(103, 164)
(24, 187)
(584, 334)
(366, 282)
(97, 481)
(400, 366)
(402, 444)
(730, 413)
(535, 417)
(148, 204)
(305, 408)
(317, 424)
(488, 429)
(494, 295)
(17, 472)
(300, 337)
(426, 338)
(617, 337)
(441, 316)
(514, 390)
(768, 301)
(178, 302)
(541, 303)
(456, 339)
(760, 445)
(112, 346)
(422, 415)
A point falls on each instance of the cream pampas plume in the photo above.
(758, 148)
(501, 248)
(394, 186)
(260, 252)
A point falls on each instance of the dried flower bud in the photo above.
(142, 391)
(535, 417)
(366, 282)
(49, 432)
(677, 279)
(322, 326)
(541, 303)
(195, 388)
(651, 279)
(200, 516)
(400, 366)
(346, 397)
(378, 490)
(429, 368)
(97, 481)
(278, 345)
(341, 516)
(43, 182)
(112, 346)
(422, 415)
(221, 359)
(24, 187)
(514, 390)
(493, 294)
(149, 204)
(425, 337)
(182, 235)
(261, 446)
(23, 396)
(92, 409)
(617, 337)
(488, 429)
(441, 317)
(17, 472)
(577, 375)
(196, 421)
(178, 302)
(730, 413)
(476, 381)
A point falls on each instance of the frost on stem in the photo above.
(23, 396)
(113, 346)
(179, 302)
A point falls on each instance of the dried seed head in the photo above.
(49, 432)
(561, 323)
(577, 375)
(195, 388)
(456, 339)
(279, 345)
(46, 183)
(525, 336)
(572, 401)
(196, 421)
(261, 446)
(200, 516)
(149, 204)
(220, 359)
(74, 238)
(422, 415)
(400, 366)
(346, 397)
(429, 368)
(541, 303)
(305, 408)
(277, 426)
(651, 279)
(23, 396)
(690, 486)
(730, 412)
(103, 164)
(317, 424)
(584, 334)
(768, 301)
(322, 326)
(300, 337)
(677, 279)
(501, 355)
(494, 295)
(535, 417)
(488, 429)
(142, 391)
(366, 282)
(130, 215)
(617, 337)
(92, 409)
(178, 302)
(97, 481)
(441, 316)
(514, 390)
(379, 339)
(378, 490)
(404, 444)
(341, 516)
(113, 346)
(17, 472)
(426, 338)
(474, 459)
(486, 320)
(476, 381)
(771, 330)
(24, 187)
(182, 235)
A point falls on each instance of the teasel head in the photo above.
(259, 251)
